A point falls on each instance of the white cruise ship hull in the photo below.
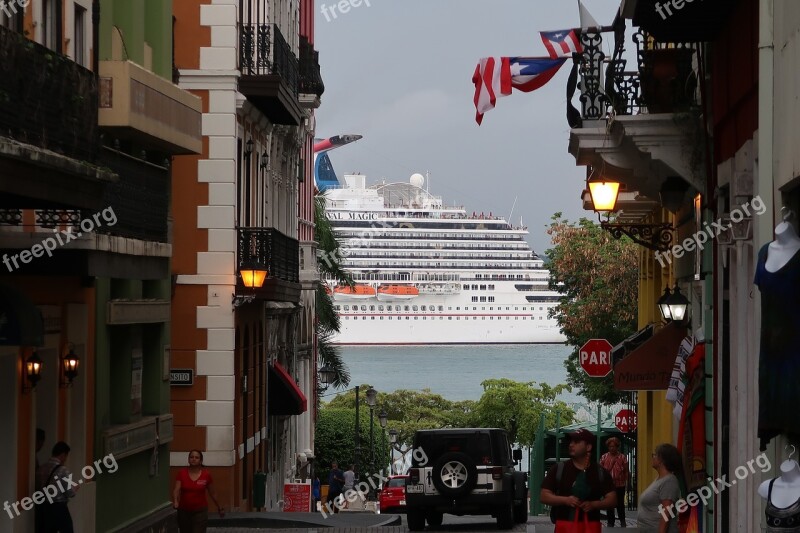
(473, 279)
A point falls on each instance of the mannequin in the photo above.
(786, 489)
(783, 248)
(778, 279)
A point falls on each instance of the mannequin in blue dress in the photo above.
(778, 279)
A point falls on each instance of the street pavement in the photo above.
(361, 522)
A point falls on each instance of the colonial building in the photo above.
(245, 205)
(89, 121)
(700, 133)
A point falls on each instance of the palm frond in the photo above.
(329, 354)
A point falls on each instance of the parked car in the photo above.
(392, 498)
(466, 471)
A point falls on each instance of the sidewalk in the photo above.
(542, 524)
(297, 522)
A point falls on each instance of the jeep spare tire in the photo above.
(454, 474)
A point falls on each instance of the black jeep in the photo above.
(465, 472)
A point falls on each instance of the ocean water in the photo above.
(455, 372)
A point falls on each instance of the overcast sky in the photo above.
(399, 73)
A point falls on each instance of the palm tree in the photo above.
(328, 323)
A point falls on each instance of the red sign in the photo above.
(626, 420)
(296, 498)
(595, 358)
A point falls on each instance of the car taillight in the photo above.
(497, 472)
(414, 475)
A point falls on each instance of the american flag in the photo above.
(495, 77)
(561, 43)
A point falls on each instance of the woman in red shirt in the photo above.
(189, 496)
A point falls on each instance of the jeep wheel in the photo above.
(505, 516)
(435, 518)
(454, 474)
(416, 520)
(520, 512)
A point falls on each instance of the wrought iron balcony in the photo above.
(310, 76)
(664, 82)
(270, 73)
(140, 198)
(46, 99)
(280, 254)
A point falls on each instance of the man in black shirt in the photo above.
(581, 484)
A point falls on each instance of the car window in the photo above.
(397, 482)
(476, 445)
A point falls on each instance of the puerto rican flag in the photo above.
(561, 43)
(495, 77)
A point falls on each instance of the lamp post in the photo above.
(383, 419)
(371, 401)
(357, 451)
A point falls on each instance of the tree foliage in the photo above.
(334, 440)
(328, 323)
(517, 408)
(597, 277)
(409, 411)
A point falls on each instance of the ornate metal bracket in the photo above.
(656, 237)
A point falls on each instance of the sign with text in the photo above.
(181, 376)
(297, 498)
(595, 358)
(626, 420)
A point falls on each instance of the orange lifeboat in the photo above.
(356, 292)
(397, 292)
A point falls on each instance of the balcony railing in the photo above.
(270, 73)
(263, 51)
(310, 76)
(272, 249)
(664, 82)
(140, 198)
(46, 99)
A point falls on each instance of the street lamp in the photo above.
(372, 395)
(383, 419)
(326, 376)
(673, 306)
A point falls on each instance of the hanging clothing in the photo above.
(676, 383)
(692, 429)
(782, 519)
(779, 357)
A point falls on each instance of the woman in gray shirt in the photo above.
(657, 512)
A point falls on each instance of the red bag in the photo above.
(574, 526)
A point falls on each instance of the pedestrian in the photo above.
(335, 485)
(656, 505)
(617, 464)
(189, 495)
(37, 511)
(349, 482)
(54, 515)
(578, 485)
(316, 492)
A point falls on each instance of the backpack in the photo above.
(559, 473)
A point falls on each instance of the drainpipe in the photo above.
(766, 83)
(96, 39)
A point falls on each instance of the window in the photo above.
(483, 298)
(371, 307)
(415, 308)
(491, 298)
(11, 16)
(363, 307)
(79, 35)
(346, 307)
(474, 298)
(51, 30)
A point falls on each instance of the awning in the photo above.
(695, 21)
(285, 397)
(649, 366)
(21, 322)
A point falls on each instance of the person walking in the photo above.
(617, 464)
(316, 493)
(335, 484)
(656, 505)
(189, 495)
(55, 517)
(578, 484)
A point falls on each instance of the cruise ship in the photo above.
(426, 273)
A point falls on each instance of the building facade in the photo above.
(90, 121)
(701, 134)
(246, 200)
